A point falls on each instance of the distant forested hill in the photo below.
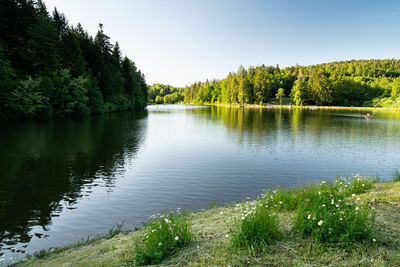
(165, 94)
(50, 68)
(344, 83)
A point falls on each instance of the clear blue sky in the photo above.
(179, 42)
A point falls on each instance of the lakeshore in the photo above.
(212, 235)
(306, 107)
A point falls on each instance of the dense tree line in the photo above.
(50, 68)
(345, 83)
(165, 94)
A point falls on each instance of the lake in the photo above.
(66, 179)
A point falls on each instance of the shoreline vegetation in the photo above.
(50, 68)
(361, 83)
(347, 222)
(288, 106)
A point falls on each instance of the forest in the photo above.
(49, 68)
(165, 94)
(344, 83)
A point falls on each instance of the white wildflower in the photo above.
(176, 238)
(320, 222)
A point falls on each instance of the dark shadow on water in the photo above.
(44, 166)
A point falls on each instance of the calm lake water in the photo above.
(62, 180)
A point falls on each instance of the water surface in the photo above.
(65, 179)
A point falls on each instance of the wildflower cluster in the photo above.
(258, 225)
(164, 235)
(355, 184)
(329, 212)
(330, 215)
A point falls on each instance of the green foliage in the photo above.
(258, 225)
(288, 199)
(173, 98)
(159, 100)
(328, 212)
(331, 218)
(355, 185)
(165, 94)
(49, 68)
(27, 100)
(396, 175)
(70, 95)
(164, 236)
(386, 102)
(333, 214)
(299, 91)
(345, 83)
(280, 95)
(7, 83)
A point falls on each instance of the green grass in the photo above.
(212, 236)
(163, 236)
(331, 218)
(396, 175)
(257, 226)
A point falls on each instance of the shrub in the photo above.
(396, 175)
(282, 199)
(355, 184)
(326, 211)
(290, 199)
(331, 217)
(164, 236)
(258, 225)
(26, 100)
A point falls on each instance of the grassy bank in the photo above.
(212, 236)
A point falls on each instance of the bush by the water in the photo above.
(287, 199)
(396, 175)
(164, 236)
(328, 212)
(258, 225)
(333, 214)
(355, 185)
(331, 217)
